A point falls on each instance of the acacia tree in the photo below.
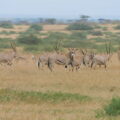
(84, 18)
(51, 21)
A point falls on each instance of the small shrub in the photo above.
(81, 35)
(79, 26)
(113, 108)
(105, 28)
(6, 25)
(12, 32)
(28, 39)
(57, 35)
(36, 27)
(4, 45)
(100, 113)
(97, 33)
(54, 41)
(117, 27)
(48, 48)
(32, 31)
(7, 33)
(31, 48)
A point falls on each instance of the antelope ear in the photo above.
(76, 49)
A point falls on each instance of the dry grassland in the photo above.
(100, 85)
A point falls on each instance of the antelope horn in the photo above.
(106, 47)
(13, 46)
(109, 46)
(82, 51)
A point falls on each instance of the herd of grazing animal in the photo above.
(72, 60)
(75, 58)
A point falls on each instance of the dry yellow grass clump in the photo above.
(99, 85)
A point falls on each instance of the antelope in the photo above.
(87, 58)
(74, 60)
(71, 59)
(42, 60)
(56, 58)
(49, 59)
(35, 59)
(102, 60)
(7, 58)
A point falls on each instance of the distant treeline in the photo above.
(82, 18)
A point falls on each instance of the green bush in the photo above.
(6, 25)
(8, 32)
(29, 39)
(31, 48)
(97, 33)
(117, 27)
(54, 39)
(36, 27)
(48, 48)
(32, 31)
(105, 28)
(79, 35)
(80, 26)
(113, 108)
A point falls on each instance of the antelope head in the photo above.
(72, 52)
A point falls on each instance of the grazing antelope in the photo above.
(7, 58)
(102, 60)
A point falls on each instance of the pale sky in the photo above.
(60, 8)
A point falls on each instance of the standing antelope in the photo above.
(102, 59)
(49, 59)
(74, 60)
(87, 58)
(7, 58)
(42, 60)
(56, 58)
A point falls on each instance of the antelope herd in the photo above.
(74, 58)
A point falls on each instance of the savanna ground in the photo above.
(27, 93)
